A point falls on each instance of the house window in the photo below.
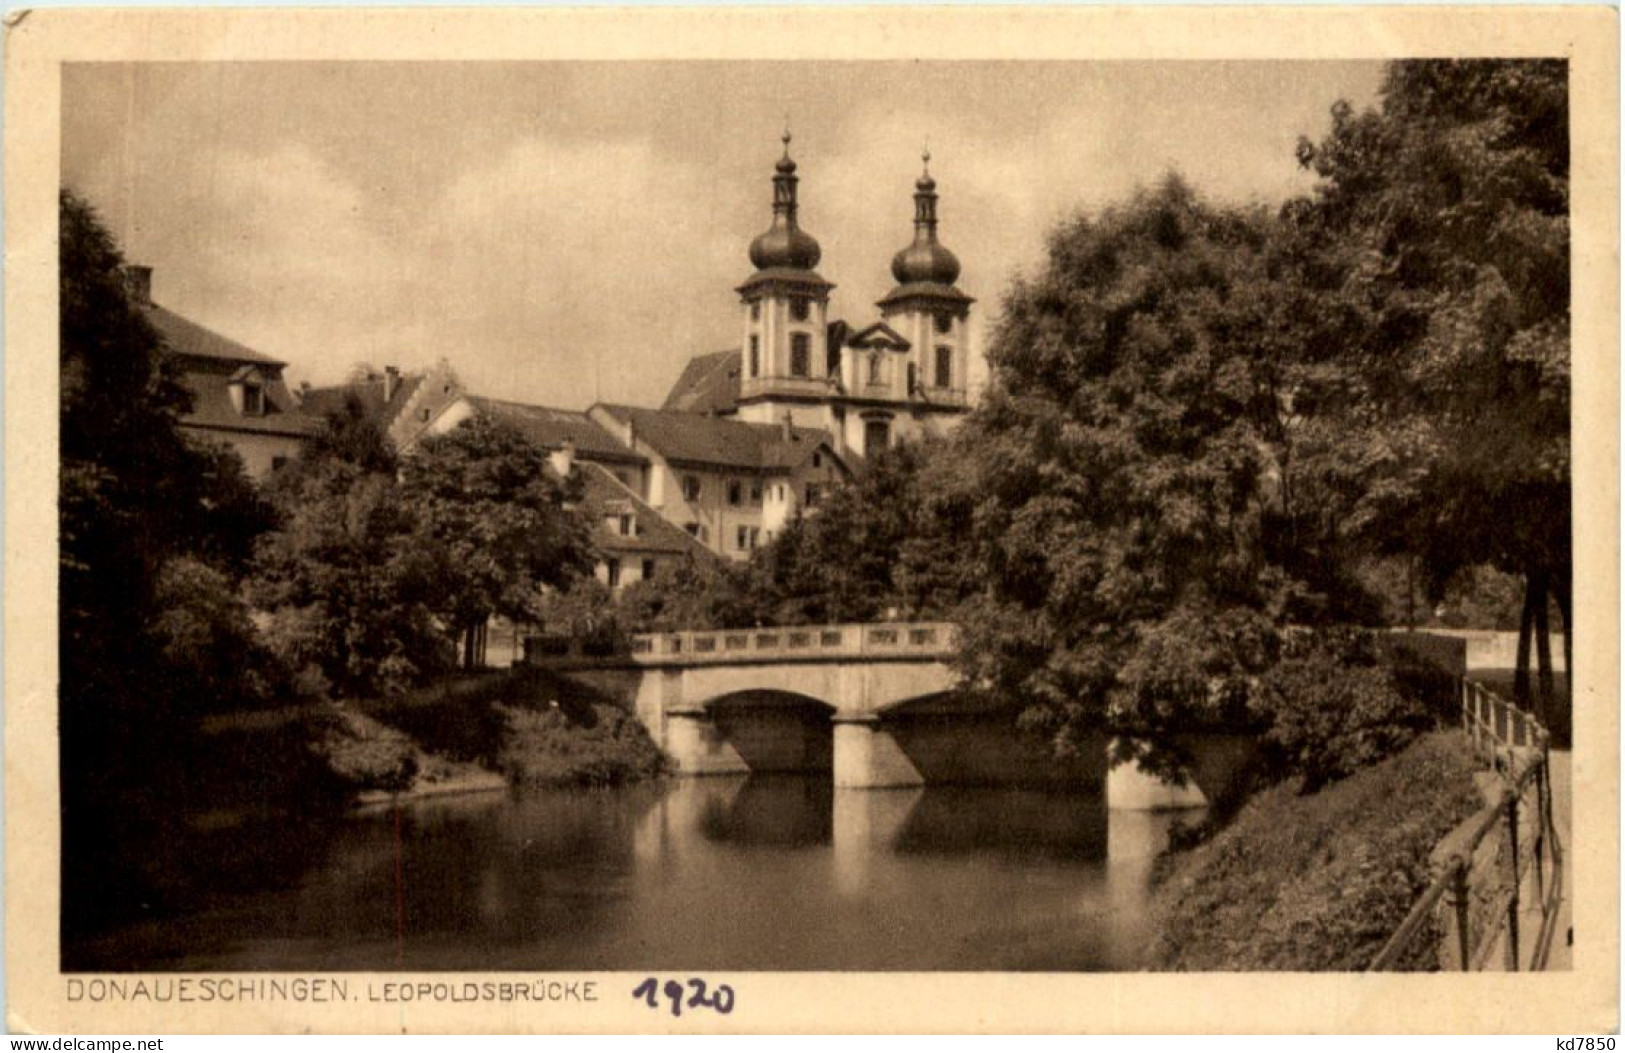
(691, 488)
(818, 460)
(876, 436)
(736, 492)
(755, 533)
(692, 528)
(253, 400)
(800, 355)
(755, 355)
(613, 568)
(756, 492)
(814, 492)
(278, 462)
(874, 368)
(756, 310)
(648, 569)
(742, 538)
(798, 309)
(944, 322)
(629, 526)
(913, 379)
(945, 367)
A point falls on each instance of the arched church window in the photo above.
(756, 310)
(945, 367)
(800, 355)
(944, 322)
(755, 355)
(799, 308)
(874, 367)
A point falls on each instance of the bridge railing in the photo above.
(788, 643)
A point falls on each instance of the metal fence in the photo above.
(1489, 869)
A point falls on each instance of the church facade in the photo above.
(899, 376)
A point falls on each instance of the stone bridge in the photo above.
(717, 701)
(874, 705)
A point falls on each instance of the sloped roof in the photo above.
(717, 442)
(185, 337)
(551, 428)
(605, 496)
(212, 407)
(708, 384)
(369, 392)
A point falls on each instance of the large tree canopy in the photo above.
(1122, 471)
(1441, 221)
(495, 521)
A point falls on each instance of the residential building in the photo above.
(239, 398)
(731, 484)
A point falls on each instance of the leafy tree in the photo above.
(880, 546)
(698, 594)
(495, 522)
(152, 533)
(1122, 475)
(343, 585)
(1441, 222)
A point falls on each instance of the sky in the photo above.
(568, 232)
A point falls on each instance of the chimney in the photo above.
(392, 381)
(563, 459)
(137, 284)
(789, 427)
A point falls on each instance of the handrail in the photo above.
(1498, 731)
(794, 642)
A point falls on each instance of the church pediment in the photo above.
(878, 335)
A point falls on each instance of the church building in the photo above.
(897, 377)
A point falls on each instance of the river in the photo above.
(780, 873)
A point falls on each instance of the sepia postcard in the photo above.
(812, 519)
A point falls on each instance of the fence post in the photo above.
(1512, 903)
(1460, 899)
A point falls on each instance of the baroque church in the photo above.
(901, 376)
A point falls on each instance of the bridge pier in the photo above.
(697, 747)
(867, 757)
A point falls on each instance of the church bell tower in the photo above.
(784, 360)
(927, 309)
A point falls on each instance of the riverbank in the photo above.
(1316, 881)
(488, 731)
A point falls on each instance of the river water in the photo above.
(780, 873)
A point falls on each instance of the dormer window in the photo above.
(247, 389)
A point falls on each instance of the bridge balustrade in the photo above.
(789, 643)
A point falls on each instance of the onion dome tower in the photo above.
(785, 304)
(926, 307)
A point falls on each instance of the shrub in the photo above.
(1332, 709)
(367, 755)
(1317, 882)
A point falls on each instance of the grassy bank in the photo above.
(529, 726)
(1317, 881)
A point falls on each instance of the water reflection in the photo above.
(758, 873)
